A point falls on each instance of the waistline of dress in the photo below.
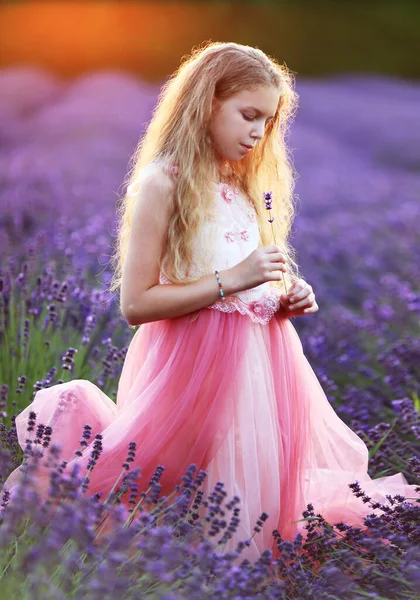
(261, 310)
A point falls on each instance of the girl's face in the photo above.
(241, 121)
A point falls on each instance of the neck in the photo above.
(224, 172)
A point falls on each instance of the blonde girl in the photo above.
(215, 373)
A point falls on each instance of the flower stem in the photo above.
(282, 274)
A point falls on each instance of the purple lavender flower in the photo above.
(268, 202)
(355, 242)
(268, 199)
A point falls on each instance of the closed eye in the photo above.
(252, 118)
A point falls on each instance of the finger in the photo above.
(300, 295)
(301, 284)
(278, 257)
(280, 267)
(304, 303)
(293, 295)
(312, 309)
(297, 285)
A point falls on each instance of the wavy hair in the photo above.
(177, 134)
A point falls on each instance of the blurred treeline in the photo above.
(148, 39)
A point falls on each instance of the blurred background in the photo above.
(147, 39)
(78, 83)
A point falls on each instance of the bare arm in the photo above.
(143, 299)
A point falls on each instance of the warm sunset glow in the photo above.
(72, 38)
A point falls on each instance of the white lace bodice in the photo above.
(225, 240)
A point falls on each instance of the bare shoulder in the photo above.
(156, 181)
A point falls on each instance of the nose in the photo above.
(258, 131)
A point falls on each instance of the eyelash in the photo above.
(252, 118)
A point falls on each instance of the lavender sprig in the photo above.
(268, 200)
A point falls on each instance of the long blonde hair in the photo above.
(178, 135)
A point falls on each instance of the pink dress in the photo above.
(229, 389)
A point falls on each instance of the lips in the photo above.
(247, 146)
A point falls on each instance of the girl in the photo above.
(216, 374)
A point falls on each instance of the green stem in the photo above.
(282, 274)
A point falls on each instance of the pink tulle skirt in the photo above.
(237, 398)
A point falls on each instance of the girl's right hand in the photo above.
(263, 264)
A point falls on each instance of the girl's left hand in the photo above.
(300, 300)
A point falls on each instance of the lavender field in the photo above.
(64, 151)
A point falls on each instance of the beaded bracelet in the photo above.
(220, 285)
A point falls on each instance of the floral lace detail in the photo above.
(238, 206)
(234, 220)
(228, 194)
(231, 236)
(260, 311)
